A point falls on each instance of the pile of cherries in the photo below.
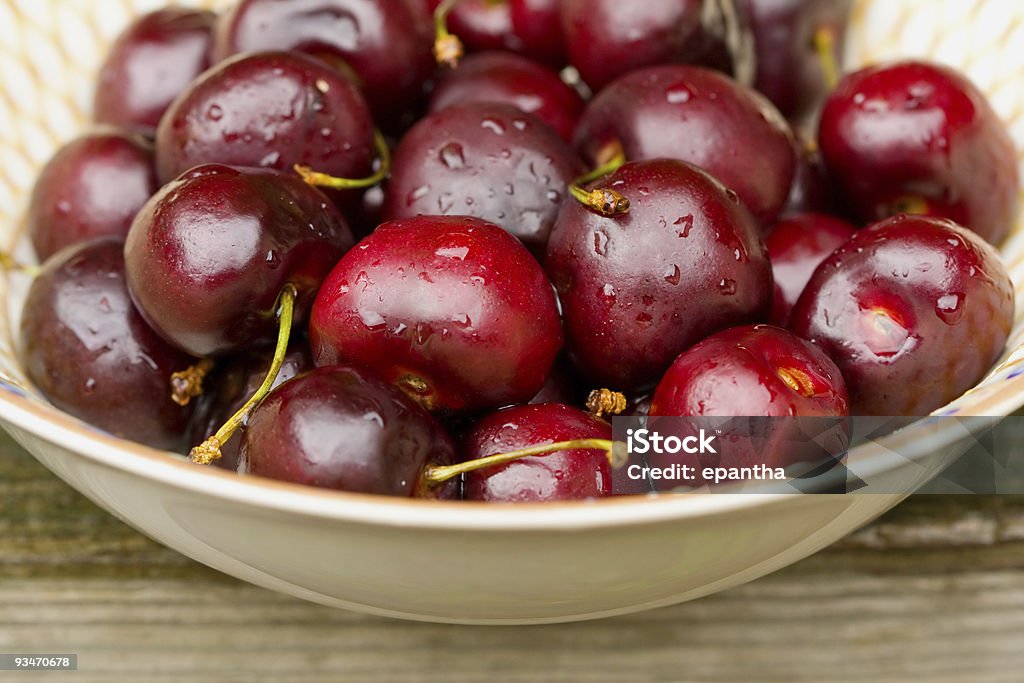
(393, 243)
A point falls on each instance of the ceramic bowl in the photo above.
(460, 562)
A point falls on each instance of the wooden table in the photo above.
(933, 593)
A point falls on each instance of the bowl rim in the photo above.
(49, 424)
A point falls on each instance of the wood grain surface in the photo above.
(932, 592)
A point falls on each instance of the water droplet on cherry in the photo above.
(950, 308)
(453, 156)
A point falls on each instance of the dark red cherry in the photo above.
(813, 190)
(230, 385)
(790, 35)
(90, 353)
(152, 62)
(563, 475)
(538, 25)
(796, 247)
(339, 428)
(912, 137)
(528, 27)
(638, 289)
(268, 110)
(914, 310)
(92, 187)
(486, 160)
(507, 78)
(699, 116)
(209, 255)
(453, 310)
(759, 372)
(387, 43)
(607, 39)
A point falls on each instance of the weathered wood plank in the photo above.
(837, 628)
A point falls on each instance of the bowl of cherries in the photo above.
(343, 297)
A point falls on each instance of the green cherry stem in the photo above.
(601, 200)
(448, 49)
(825, 46)
(209, 451)
(439, 474)
(317, 179)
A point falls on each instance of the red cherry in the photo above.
(339, 428)
(914, 310)
(528, 27)
(92, 187)
(760, 372)
(790, 36)
(507, 78)
(152, 62)
(209, 255)
(813, 190)
(699, 116)
(269, 110)
(607, 39)
(796, 247)
(538, 24)
(453, 310)
(638, 289)
(387, 43)
(562, 475)
(920, 138)
(486, 160)
(752, 371)
(88, 350)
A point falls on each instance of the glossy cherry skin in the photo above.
(757, 371)
(761, 372)
(268, 110)
(564, 475)
(92, 187)
(387, 43)
(538, 25)
(234, 380)
(914, 310)
(342, 429)
(151, 63)
(789, 67)
(813, 190)
(486, 160)
(528, 27)
(699, 116)
(91, 354)
(451, 309)
(638, 289)
(796, 247)
(508, 78)
(607, 39)
(917, 137)
(208, 255)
